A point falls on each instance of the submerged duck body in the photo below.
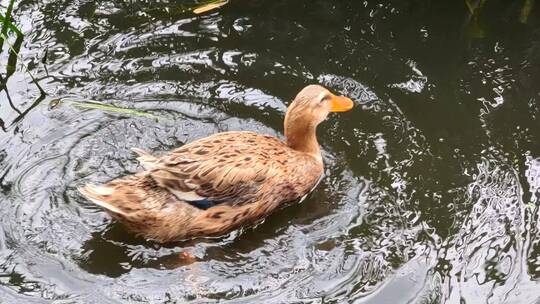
(216, 184)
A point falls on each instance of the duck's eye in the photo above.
(324, 99)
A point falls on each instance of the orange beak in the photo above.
(341, 104)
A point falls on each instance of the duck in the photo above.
(217, 184)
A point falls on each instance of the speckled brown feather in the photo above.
(143, 207)
(233, 166)
(252, 174)
(249, 175)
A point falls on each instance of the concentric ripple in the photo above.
(431, 182)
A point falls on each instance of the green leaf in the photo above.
(91, 104)
(526, 11)
(12, 48)
(10, 26)
(470, 6)
(475, 30)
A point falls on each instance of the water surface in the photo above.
(432, 181)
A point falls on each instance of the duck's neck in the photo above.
(303, 137)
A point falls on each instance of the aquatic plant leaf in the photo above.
(103, 107)
(475, 6)
(9, 25)
(210, 6)
(16, 52)
(470, 6)
(526, 11)
(475, 30)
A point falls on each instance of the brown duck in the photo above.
(219, 183)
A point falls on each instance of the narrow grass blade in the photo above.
(11, 47)
(9, 25)
(526, 11)
(6, 18)
(103, 107)
(210, 6)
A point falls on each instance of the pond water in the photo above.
(432, 182)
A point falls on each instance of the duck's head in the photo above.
(309, 108)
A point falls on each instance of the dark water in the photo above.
(432, 182)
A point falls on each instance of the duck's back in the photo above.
(239, 176)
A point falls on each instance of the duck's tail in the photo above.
(145, 208)
(146, 159)
(99, 195)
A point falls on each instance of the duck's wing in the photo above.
(143, 207)
(227, 168)
(130, 195)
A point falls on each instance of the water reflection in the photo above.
(431, 186)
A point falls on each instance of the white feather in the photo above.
(186, 196)
(92, 192)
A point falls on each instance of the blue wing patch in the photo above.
(204, 203)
